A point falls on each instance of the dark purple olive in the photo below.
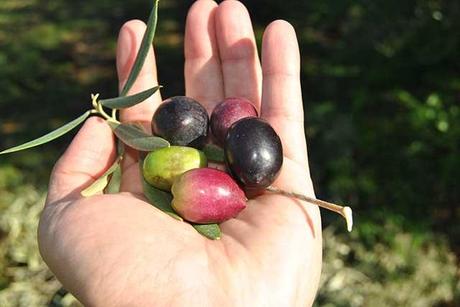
(182, 121)
(228, 112)
(253, 153)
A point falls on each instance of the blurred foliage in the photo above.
(390, 268)
(24, 280)
(381, 82)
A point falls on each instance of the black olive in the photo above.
(182, 121)
(253, 153)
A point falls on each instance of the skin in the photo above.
(117, 250)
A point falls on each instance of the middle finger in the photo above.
(238, 52)
(203, 75)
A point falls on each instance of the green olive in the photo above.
(162, 166)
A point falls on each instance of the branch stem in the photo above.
(345, 211)
(99, 110)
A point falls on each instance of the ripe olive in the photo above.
(226, 113)
(253, 153)
(182, 121)
(162, 166)
(207, 195)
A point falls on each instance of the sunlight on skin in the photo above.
(117, 250)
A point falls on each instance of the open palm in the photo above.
(118, 250)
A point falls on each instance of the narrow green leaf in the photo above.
(143, 49)
(50, 136)
(113, 187)
(136, 138)
(120, 148)
(174, 216)
(210, 231)
(100, 184)
(128, 101)
(158, 198)
(214, 153)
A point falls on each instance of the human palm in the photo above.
(118, 250)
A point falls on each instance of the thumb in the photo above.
(90, 154)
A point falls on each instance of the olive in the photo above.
(207, 195)
(162, 166)
(182, 121)
(226, 113)
(253, 153)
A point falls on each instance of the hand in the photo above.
(118, 250)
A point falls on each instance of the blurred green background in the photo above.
(381, 85)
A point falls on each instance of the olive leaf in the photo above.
(143, 49)
(136, 138)
(113, 187)
(214, 153)
(120, 148)
(50, 136)
(100, 184)
(128, 101)
(158, 198)
(211, 231)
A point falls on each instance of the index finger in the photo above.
(128, 45)
(129, 42)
